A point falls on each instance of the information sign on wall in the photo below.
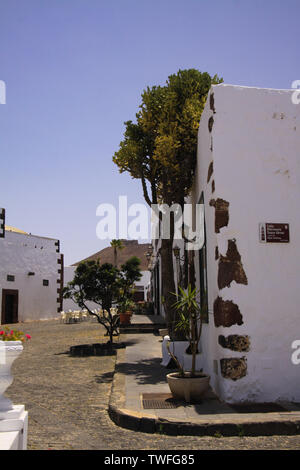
(274, 233)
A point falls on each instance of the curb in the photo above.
(239, 425)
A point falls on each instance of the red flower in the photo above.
(28, 336)
(2, 332)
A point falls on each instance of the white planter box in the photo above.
(13, 419)
(9, 440)
(9, 351)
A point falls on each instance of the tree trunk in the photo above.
(191, 267)
(168, 288)
(194, 346)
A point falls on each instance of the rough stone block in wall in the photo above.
(226, 313)
(230, 267)
(210, 171)
(221, 213)
(233, 368)
(235, 342)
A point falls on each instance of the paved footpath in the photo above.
(139, 372)
(67, 398)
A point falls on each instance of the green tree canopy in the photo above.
(161, 147)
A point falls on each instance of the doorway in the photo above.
(10, 302)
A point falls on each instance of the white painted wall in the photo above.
(144, 282)
(256, 142)
(20, 254)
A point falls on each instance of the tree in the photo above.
(130, 273)
(160, 149)
(99, 284)
(104, 285)
(117, 245)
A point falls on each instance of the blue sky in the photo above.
(74, 72)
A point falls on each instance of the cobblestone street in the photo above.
(67, 398)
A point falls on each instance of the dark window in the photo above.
(45, 282)
(10, 278)
(203, 274)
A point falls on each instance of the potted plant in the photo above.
(11, 346)
(188, 383)
(125, 309)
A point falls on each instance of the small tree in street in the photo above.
(104, 285)
(99, 284)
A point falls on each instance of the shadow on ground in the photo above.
(147, 371)
(97, 349)
(106, 377)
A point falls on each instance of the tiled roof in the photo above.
(131, 248)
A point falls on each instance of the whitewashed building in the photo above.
(248, 178)
(31, 276)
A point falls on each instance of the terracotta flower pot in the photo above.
(188, 388)
(9, 351)
(125, 318)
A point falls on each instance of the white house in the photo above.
(248, 178)
(31, 275)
